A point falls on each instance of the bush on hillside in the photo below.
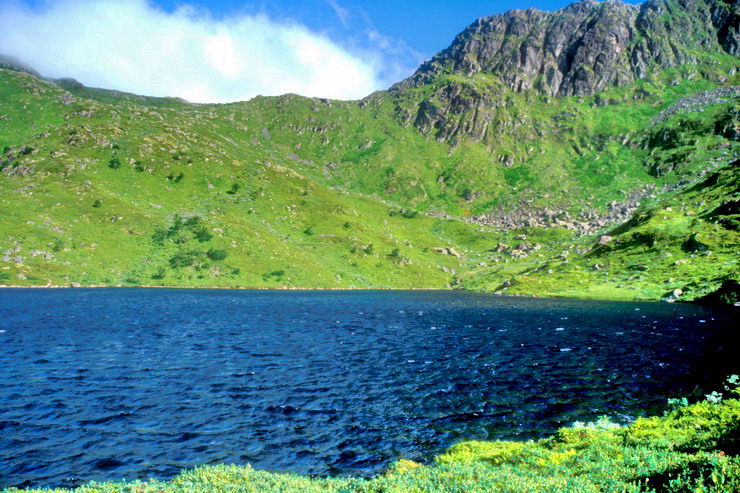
(217, 255)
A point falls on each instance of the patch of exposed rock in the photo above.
(586, 221)
(697, 102)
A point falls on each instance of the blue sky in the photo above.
(426, 26)
(227, 50)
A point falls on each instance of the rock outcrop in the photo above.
(581, 49)
(587, 46)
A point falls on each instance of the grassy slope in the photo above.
(685, 239)
(77, 219)
(691, 449)
(295, 190)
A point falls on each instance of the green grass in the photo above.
(693, 448)
(686, 241)
(304, 186)
(648, 257)
(77, 219)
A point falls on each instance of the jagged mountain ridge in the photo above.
(587, 46)
(583, 49)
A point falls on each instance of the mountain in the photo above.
(583, 49)
(588, 46)
(590, 152)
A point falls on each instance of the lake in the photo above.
(138, 383)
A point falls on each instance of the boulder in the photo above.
(448, 251)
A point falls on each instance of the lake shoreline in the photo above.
(699, 302)
(236, 288)
(242, 288)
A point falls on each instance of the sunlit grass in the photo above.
(306, 193)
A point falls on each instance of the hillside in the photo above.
(586, 152)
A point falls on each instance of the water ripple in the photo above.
(99, 384)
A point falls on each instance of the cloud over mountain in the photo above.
(133, 46)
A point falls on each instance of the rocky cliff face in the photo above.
(582, 49)
(587, 46)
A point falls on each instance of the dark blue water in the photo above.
(110, 384)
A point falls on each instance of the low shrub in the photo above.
(217, 255)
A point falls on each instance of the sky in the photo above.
(210, 51)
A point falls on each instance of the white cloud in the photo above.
(342, 13)
(132, 46)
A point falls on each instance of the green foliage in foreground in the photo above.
(693, 448)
